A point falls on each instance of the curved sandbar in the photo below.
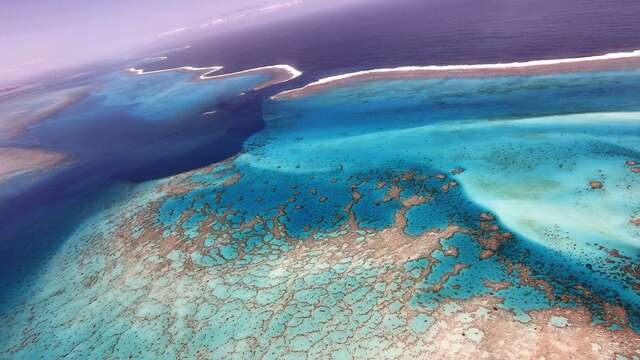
(278, 73)
(16, 161)
(611, 61)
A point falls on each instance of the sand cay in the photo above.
(611, 61)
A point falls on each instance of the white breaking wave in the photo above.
(208, 70)
(173, 32)
(444, 68)
(293, 72)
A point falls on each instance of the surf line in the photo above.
(209, 70)
(473, 69)
(279, 73)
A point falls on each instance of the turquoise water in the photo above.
(352, 222)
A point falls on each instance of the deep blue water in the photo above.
(417, 32)
(128, 130)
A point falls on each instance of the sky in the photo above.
(41, 35)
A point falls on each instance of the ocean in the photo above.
(409, 32)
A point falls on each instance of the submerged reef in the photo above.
(406, 218)
(15, 161)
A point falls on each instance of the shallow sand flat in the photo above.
(16, 114)
(14, 161)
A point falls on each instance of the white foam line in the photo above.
(293, 72)
(173, 32)
(155, 58)
(210, 69)
(444, 68)
(172, 50)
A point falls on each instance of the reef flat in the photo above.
(399, 218)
